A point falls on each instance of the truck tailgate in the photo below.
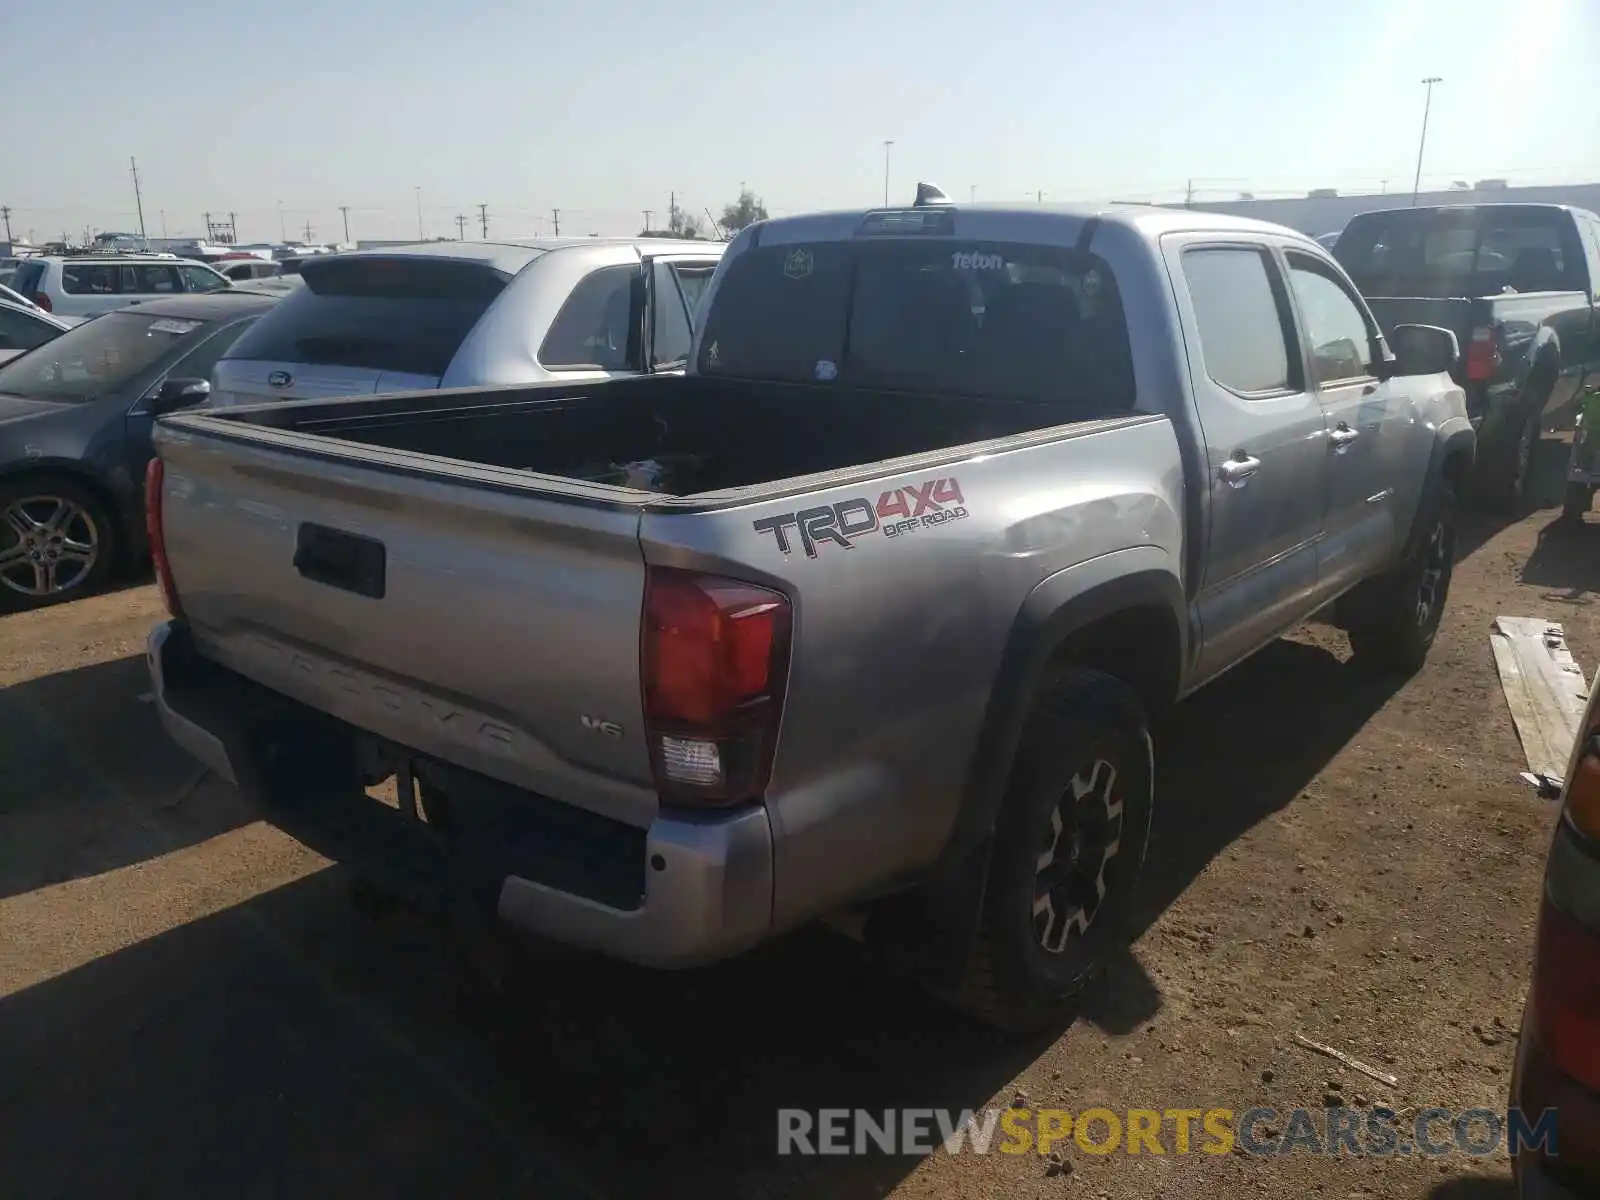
(506, 622)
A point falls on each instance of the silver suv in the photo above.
(461, 314)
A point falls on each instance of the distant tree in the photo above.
(745, 211)
(682, 224)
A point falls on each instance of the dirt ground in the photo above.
(189, 1005)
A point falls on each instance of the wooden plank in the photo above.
(1544, 689)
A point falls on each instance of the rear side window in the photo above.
(595, 329)
(954, 317)
(89, 279)
(144, 279)
(401, 314)
(1243, 337)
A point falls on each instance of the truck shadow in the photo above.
(1565, 562)
(90, 782)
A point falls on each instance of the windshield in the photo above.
(98, 357)
(981, 319)
(1463, 252)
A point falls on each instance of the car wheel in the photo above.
(1393, 619)
(57, 542)
(1069, 846)
(1500, 478)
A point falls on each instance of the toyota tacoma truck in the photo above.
(1519, 286)
(869, 612)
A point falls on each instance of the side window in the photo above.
(19, 331)
(1341, 342)
(672, 333)
(89, 279)
(594, 331)
(199, 279)
(1244, 339)
(693, 279)
(1590, 227)
(148, 279)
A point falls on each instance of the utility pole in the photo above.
(974, 190)
(1188, 195)
(138, 201)
(483, 219)
(308, 231)
(233, 228)
(461, 227)
(555, 219)
(1422, 142)
(283, 232)
(5, 211)
(1039, 197)
(163, 224)
(344, 211)
(886, 146)
(648, 213)
(208, 227)
(421, 235)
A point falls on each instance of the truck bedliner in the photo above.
(686, 435)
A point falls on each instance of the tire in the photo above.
(1393, 618)
(1500, 477)
(1575, 502)
(58, 542)
(1084, 766)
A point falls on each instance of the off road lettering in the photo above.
(896, 513)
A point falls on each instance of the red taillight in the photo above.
(43, 301)
(1566, 995)
(1483, 356)
(154, 477)
(715, 659)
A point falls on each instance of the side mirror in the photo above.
(1424, 349)
(178, 393)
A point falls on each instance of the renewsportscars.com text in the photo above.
(1358, 1132)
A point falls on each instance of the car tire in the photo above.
(1500, 475)
(1392, 619)
(50, 526)
(1068, 849)
(1575, 502)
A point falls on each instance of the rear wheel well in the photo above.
(1140, 646)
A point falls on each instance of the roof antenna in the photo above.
(929, 195)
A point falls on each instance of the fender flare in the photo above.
(935, 923)
(1455, 441)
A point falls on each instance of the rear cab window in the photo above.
(1463, 252)
(402, 314)
(987, 319)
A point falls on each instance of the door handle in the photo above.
(1238, 470)
(1342, 436)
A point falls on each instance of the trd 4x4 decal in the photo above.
(897, 513)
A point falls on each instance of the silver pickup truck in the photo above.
(869, 612)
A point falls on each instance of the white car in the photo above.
(471, 314)
(88, 285)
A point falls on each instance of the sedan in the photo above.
(76, 414)
(24, 326)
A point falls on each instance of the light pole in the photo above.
(1422, 142)
(886, 146)
(421, 236)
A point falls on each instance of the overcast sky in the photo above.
(603, 109)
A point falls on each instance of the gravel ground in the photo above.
(190, 1005)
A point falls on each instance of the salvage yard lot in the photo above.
(189, 1005)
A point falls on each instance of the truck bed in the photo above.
(672, 436)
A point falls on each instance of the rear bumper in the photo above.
(689, 889)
